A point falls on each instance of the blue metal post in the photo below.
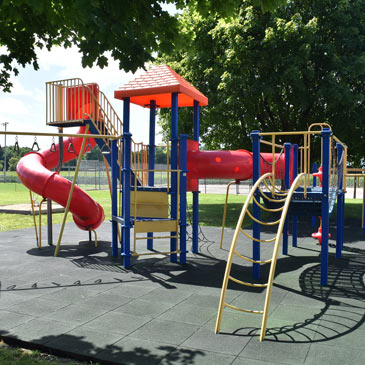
(314, 170)
(114, 168)
(326, 133)
(151, 159)
(287, 149)
(126, 185)
(174, 165)
(195, 222)
(256, 172)
(183, 204)
(340, 203)
(295, 173)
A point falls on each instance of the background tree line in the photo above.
(304, 62)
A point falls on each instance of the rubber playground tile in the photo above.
(9, 320)
(75, 313)
(166, 295)
(296, 314)
(136, 351)
(105, 300)
(273, 351)
(202, 300)
(36, 307)
(165, 331)
(84, 341)
(140, 307)
(236, 323)
(129, 290)
(117, 322)
(354, 339)
(300, 299)
(320, 354)
(183, 313)
(40, 330)
(206, 340)
(184, 355)
(70, 295)
(8, 299)
(246, 361)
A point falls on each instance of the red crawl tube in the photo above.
(34, 172)
(226, 165)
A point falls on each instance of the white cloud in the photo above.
(12, 106)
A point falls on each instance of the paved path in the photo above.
(85, 304)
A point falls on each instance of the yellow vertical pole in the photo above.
(225, 213)
(273, 164)
(34, 219)
(110, 190)
(71, 192)
(40, 222)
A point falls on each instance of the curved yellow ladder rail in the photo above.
(225, 211)
(275, 254)
(233, 251)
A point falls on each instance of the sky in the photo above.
(25, 107)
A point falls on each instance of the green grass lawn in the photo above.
(210, 208)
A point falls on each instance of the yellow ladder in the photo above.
(283, 197)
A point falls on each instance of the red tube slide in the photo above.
(34, 172)
(226, 165)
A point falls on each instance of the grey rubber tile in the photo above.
(41, 330)
(70, 295)
(207, 340)
(320, 354)
(129, 290)
(203, 300)
(85, 341)
(76, 313)
(9, 299)
(106, 300)
(36, 307)
(282, 352)
(184, 355)
(9, 320)
(165, 331)
(136, 351)
(140, 307)
(117, 322)
(188, 314)
(173, 296)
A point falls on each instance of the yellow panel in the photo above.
(150, 204)
(151, 211)
(152, 197)
(155, 226)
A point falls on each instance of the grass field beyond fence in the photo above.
(210, 209)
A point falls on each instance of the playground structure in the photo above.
(159, 211)
(136, 202)
(298, 197)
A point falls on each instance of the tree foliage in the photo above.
(131, 30)
(278, 71)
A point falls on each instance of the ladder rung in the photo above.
(251, 260)
(243, 310)
(246, 283)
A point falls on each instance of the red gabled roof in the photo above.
(157, 84)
